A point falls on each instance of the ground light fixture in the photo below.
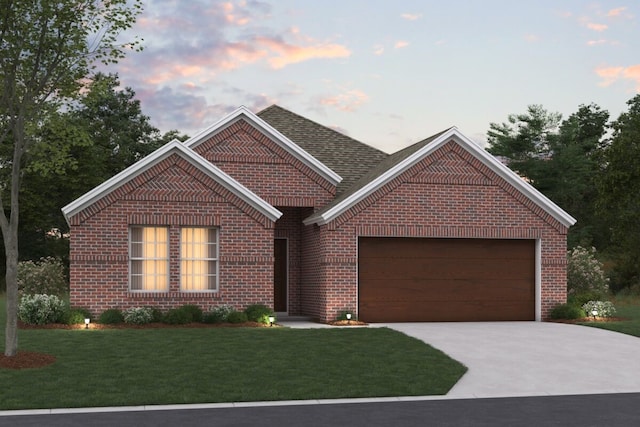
(594, 313)
(349, 318)
(86, 322)
(271, 320)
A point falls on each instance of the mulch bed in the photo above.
(26, 360)
(590, 319)
(348, 323)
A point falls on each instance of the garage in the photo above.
(437, 280)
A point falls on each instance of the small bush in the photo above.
(237, 317)
(567, 312)
(76, 315)
(218, 314)
(156, 315)
(581, 298)
(602, 308)
(45, 276)
(111, 316)
(258, 313)
(177, 316)
(138, 315)
(585, 273)
(41, 309)
(193, 311)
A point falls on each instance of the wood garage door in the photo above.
(418, 280)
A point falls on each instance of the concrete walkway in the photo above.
(507, 359)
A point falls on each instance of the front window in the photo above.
(149, 255)
(199, 259)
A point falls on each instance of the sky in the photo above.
(385, 72)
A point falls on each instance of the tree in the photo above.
(525, 139)
(48, 47)
(560, 159)
(619, 192)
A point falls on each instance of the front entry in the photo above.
(280, 254)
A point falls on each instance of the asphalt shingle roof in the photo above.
(349, 158)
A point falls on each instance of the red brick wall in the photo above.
(173, 194)
(448, 194)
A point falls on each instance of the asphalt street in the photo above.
(577, 410)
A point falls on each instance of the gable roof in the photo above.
(275, 135)
(404, 159)
(173, 147)
(350, 158)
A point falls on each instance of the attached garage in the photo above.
(426, 279)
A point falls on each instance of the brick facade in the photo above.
(448, 194)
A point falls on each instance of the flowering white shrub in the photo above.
(601, 308)
(219, 314)
(40, 309)
(43, 277)
(138, 315)
(585, 273)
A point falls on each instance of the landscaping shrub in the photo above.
(75, 315)
(45, 277)
(40, 309)
(138, 315)
(258, 313)
(585, 273)
(177, 316)
(237, 317)
(567, 312)
(111, 316)
(193, 311)
(156, 315)
(581, 298)
(218, 314)
(603, 308)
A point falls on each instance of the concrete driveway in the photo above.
(508, 359)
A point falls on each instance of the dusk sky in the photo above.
(388, 73)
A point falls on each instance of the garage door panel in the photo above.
(414, 279)
(447, 311)
(446, 290)
(403, 268)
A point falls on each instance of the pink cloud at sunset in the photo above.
(288, 53)
(400, 44)
(348, 101)
(411, 16)
(611, 75)
(597, 27)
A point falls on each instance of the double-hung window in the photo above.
(198, 259)
(149, 257)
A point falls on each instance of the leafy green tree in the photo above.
(525, 139)
(48, 47)
(619, 193)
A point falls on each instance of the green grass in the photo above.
(627, 308)
(172, 366)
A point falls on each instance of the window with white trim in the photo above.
(198, 259)
(149, 259)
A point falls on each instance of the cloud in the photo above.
(400, 44)
(378, 49)
(411, 16)
(611, 75)
(283, 53)
(531, 38)
(349, 101)
(613, 13)
(596, 42)
(597, 27)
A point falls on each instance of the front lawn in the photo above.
(627, 308)
(171, 366)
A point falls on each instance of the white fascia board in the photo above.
(274, 134)
(453, 133)
(156, 157)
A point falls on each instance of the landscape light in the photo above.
(594, 313)
(271, 320)
(86, 322)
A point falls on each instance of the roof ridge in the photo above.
(276, 106)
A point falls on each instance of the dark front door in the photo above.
(280, 275)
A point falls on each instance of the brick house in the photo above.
(276, 209)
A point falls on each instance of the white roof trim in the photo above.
(173, 147)
(503, 171)
(272, 133)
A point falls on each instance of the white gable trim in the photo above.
(284, 142)
(173, 147)
(452, 134)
